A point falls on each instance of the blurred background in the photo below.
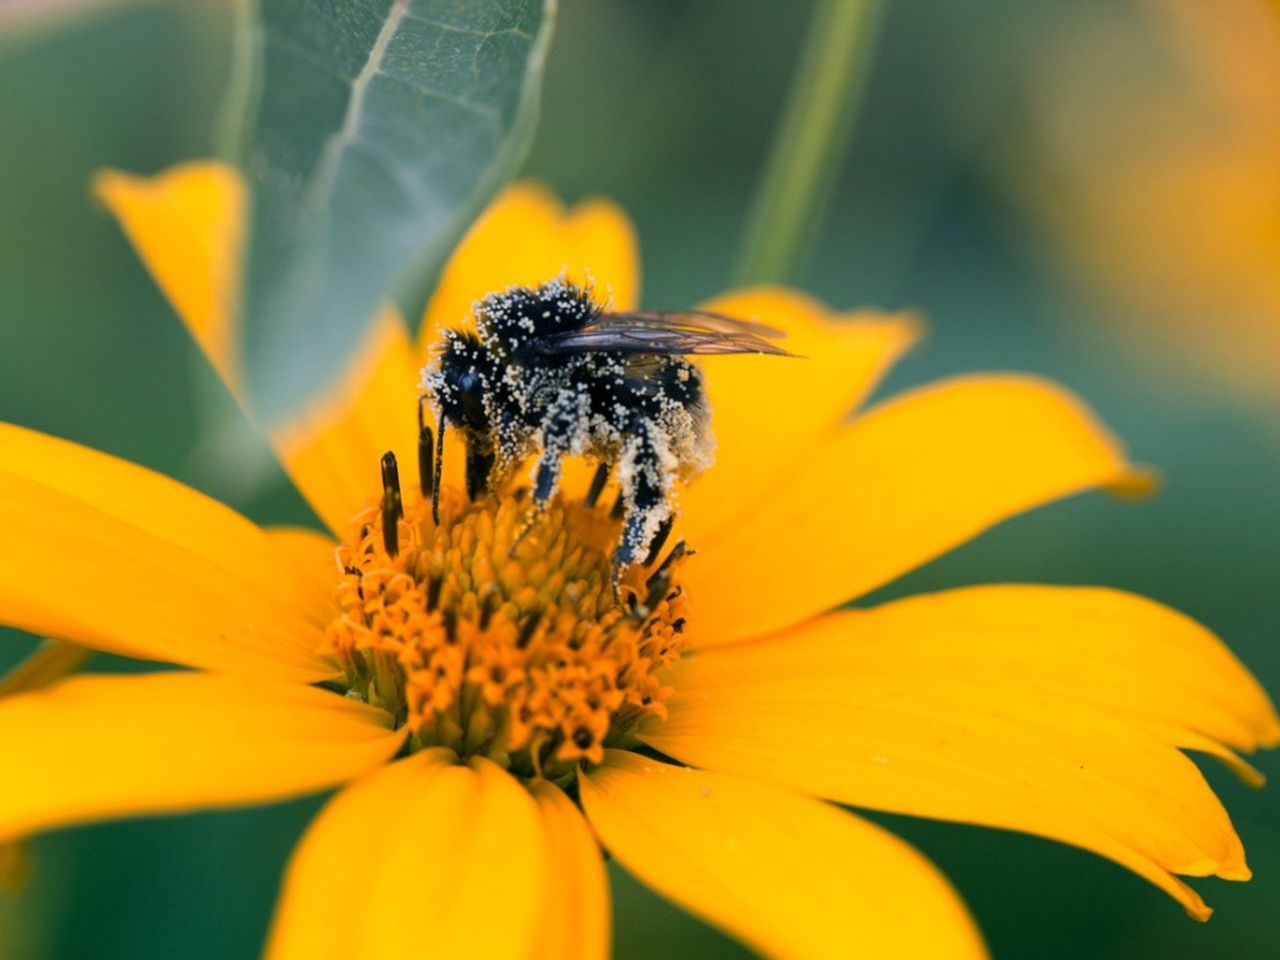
(1088, 189)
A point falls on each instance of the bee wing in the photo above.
(696, 319)
(666, 331)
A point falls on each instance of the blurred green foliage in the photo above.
(373, 134)
(666, 106)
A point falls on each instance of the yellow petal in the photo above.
(312, 554)
(575, 917)
(909, 480)
(95, 747)
(769, 414)
(332, 449)
(602, 251)
(527, 236)
(1129, 655)
(423, 858)
(187, 226)
(1043, 741)
(117, 558)
(787, 875)
(1187, 739)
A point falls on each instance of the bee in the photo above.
(549, 372)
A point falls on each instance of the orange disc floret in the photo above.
(498, 634)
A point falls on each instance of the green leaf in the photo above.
(380, 129)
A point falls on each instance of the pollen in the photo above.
(499, 634)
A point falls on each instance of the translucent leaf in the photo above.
(378, 130)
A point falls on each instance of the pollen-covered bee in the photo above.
(548, 371)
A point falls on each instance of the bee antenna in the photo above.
(439, 469)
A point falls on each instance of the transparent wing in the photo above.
(666, 331)
(699, 319)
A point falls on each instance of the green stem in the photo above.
(811, 140)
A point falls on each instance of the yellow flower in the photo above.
(502, 718)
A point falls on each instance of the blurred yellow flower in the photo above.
(495, 718)
(1155, 175)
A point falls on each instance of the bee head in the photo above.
(459, 380)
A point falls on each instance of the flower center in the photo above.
(501, 637)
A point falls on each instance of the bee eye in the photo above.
(471, 393)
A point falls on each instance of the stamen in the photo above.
(392, 505)
(678, 552)
(426, 467)
(524, 656)
(659, 540)
(659, 581)
(439, 472)
(487, 608)
(527, 630)
(597, 486)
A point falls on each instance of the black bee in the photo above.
(549, 371)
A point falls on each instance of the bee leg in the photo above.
(563, 421)
(558, 431)
(546, 478)
(479, 465)
(646, 509)
(640, 531)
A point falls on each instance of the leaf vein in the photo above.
(470, 31)
(345, 135)
(483, 111)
